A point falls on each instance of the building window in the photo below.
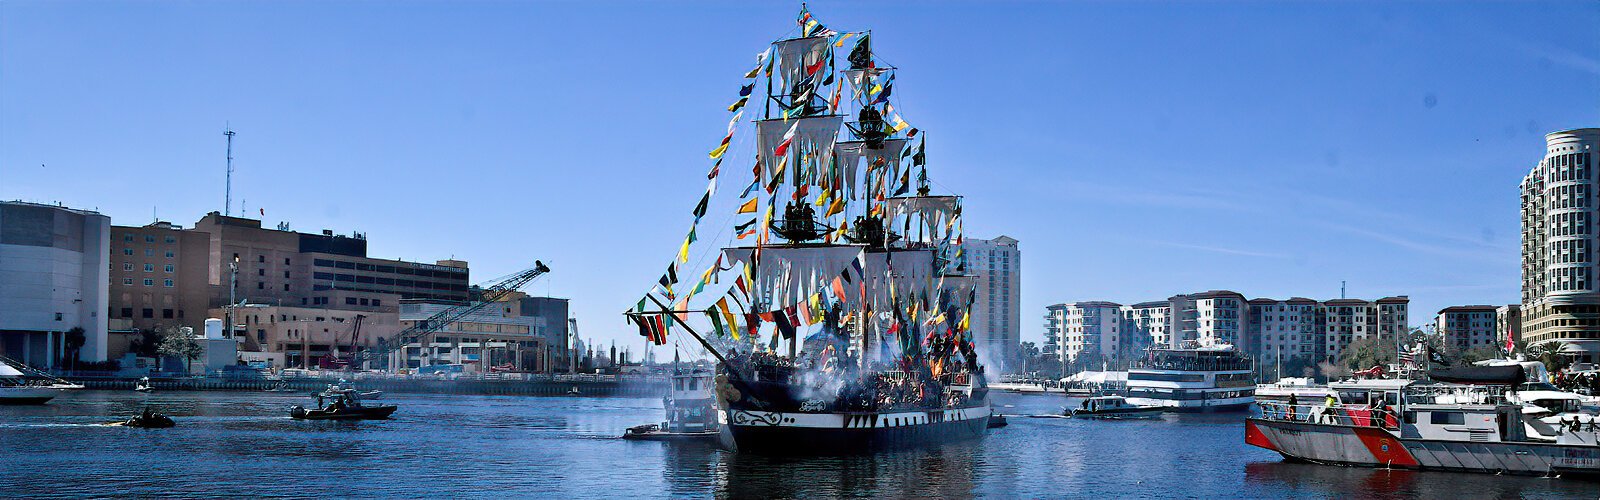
(127, 281)
(149, 238)
(261, 286)
(58, 316)
(376, 302)
(169, 268)
(285, 287)
(127, 266)
(285, 261)
(147, 313)
(127, 251)
(127, 237)
(349, 301)
(261, 258)
(286, 275)
(149, 268)
(166, 314)
(171, 240)
(149, 282)
(169, 254)
(149, 252)
(261, 272)
(127, 312)
(167, 283)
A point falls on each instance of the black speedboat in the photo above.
(346, 405)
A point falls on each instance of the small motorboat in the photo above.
(346, 405)
(334, 390)
(143, 385)
(573, 391)
(654, 432)
(1114, 407)
(996, 420)
(148, 420)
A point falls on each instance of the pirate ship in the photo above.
(843, 321)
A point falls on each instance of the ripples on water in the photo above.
(238, 443)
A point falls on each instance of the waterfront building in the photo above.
(997, 312)
(1559, 299)
(1209, 318)
(288, 268)
(159, 277)
(1467, 327)
(1146, 324)
(1262, 328)
(1092, 328)
(302, 337)
(1055, 318)
(1342, 321)
(1508, 324)
(1282, 329)
(54, 271)
(495, 336)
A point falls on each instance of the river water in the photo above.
(238, 443)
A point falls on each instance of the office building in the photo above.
(159, 277)
(1559, 298)
(54, 272)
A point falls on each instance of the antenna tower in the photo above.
(227, 196)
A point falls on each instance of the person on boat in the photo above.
(1292, 402)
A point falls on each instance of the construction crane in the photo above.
(438, 321)
(336, 361)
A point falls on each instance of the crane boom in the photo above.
(491, 294)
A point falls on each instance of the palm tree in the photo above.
(1549, 353)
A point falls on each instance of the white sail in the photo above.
(795, 55)
(815, 134)
(854, 154)
(922, 219)
(788, 275)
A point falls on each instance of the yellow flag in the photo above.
(836, 207)
(966, 320)
(749, 206)
(717, 153)
(839, 43)
(875, 90)
(722, 304)
(683, 253)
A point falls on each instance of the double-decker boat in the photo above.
(1193, 379)
(1437, 426)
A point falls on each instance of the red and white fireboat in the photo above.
(1462, 421)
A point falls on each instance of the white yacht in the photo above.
(1302, 388)
(1193, 379)
(17, 389)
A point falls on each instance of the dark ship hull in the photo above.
(782, 433)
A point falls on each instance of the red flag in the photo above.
(838, 288)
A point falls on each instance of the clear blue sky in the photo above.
(1136, 149)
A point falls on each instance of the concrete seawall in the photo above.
(473, 386)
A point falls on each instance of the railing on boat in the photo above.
(1339, 414)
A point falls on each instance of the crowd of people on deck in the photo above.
(1579, 382)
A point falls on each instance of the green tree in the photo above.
(1475, 355)
(1366, 353)
(75, 339)
(1549, 353)
(180, 343)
